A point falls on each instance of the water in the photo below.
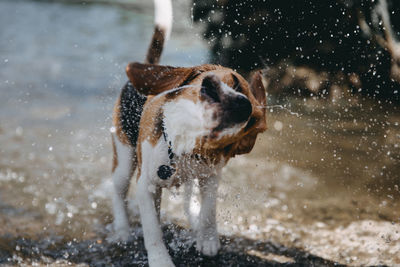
(321, 185)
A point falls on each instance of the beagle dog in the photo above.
(174, 125)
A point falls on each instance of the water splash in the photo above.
(271, 107)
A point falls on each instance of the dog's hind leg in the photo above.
(123, 166)
(207, 234)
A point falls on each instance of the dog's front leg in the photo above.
(146, 197)
(207, 234)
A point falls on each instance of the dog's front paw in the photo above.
(208, 245)
(120, 234)
(160, 258)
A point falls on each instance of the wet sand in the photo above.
(235, 251)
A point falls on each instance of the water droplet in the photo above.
(51, 208)
(278, 125)
(19, 131)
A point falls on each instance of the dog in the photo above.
(175, 125)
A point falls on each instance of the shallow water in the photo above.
(324, 179)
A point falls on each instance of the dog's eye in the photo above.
(238, 89)
(211, 88)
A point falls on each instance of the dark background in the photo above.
(324, 36)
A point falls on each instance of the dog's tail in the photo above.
(163, 26)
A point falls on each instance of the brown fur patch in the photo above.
(150, 126)
(151, 79)
(115, 156)
(139, 159)
(156, 46)
(117, 124)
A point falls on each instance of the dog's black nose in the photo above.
(242, 109)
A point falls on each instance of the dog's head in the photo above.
(238, 110)
(235, 108)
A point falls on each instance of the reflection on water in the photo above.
(326, 181)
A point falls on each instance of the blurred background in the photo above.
(324, 178)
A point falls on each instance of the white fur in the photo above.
(207, 234)
(148, 194)
(163, 15)
(152, 158)
(229, 90)
(184, 122)
(232, 130)
(121, 179)
(190, 208)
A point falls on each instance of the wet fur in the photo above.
(182, 114)
(168, 99)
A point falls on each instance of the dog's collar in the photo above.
(169, 143)
(166, 171)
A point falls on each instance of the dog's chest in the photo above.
(185, 122)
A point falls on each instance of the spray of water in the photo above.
(271, 107)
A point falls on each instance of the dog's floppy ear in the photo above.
(259, 92)
(258, 89)
(150, 79)
(244, 146)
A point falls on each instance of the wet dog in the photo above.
(175, 125)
